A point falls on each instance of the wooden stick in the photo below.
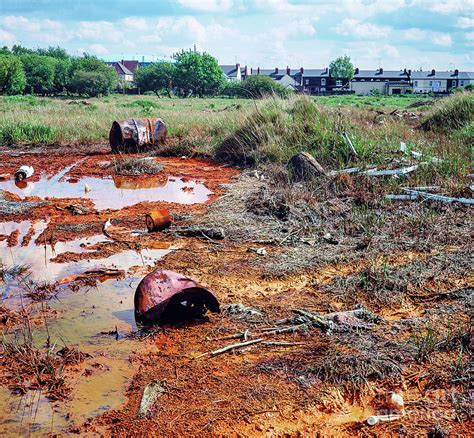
(230, 347)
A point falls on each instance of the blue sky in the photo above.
(267, 33)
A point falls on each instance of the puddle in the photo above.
(83, 316)
(112, 193)
(39, 256)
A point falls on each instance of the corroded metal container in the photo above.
(169, 297)
(135, 135)
(158, 220)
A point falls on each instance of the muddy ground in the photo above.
(409, 264)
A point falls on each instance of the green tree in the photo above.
(91, 76)
(12, 75)
(197, 73)
(20, 50)
(156, 77)
(39, 71)
(61, 75)
(54, 52)
(342, 69)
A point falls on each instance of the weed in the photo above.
(29, 367)
(136, 166)
(14, 271)
(425, 344)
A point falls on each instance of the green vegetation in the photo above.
(454, 112)
(255, 87)
(250, 132)
(157, 77)
(380, 102)
(342, 68)
(197, 73)
(279, 129)
(12, 75)
(51, 72)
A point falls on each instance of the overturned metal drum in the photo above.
(169, 297)
(135, 135)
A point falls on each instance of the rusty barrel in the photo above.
(169, 297)
(135, 135)
(158, 220)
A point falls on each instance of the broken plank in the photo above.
(391, 172)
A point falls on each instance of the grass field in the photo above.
(280, 127)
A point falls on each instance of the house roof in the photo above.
(121, 69)
(441, 75)
(231, 70)
(131, 65)
(293, 72)
(384, 74)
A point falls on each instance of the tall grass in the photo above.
(27, 132)
(453, 112)
(277, 129)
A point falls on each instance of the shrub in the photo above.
(255, 87)
(39, 71)
(278, 129)
(453, 112)
(91, 76)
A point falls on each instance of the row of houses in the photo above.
(363, 82)
(320, 81)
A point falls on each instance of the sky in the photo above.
(393, 34)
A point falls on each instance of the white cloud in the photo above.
(39, 31)
(445, 6)
(7, 37)
(465, 22)
(469, 36)
(98, 49)
(188, 29)
(442, 39)
(207, 5)
(99, 31)
(413, 34)
(351, 26)
(134, 23)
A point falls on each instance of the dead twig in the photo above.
(230, 347)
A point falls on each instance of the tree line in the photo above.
(52, 71)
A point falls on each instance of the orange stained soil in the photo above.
(232, 394)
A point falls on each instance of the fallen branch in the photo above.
(230, 347)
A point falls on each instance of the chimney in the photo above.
(404, 71)
(380, 70)
(288, 71)
(409, 73)
(302, 70)
(327, 70)
(276, 70)
(237, 66)
(246, 72)
(456, 72)
(433, 72)
(251, 70)
(258, 70)
(356, 71)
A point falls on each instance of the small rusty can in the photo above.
(158, 220)
(169, 297)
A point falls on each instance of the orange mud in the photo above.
(230, 394)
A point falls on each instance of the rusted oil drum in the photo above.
(169, 297)
(158, 220)
(135, 135)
